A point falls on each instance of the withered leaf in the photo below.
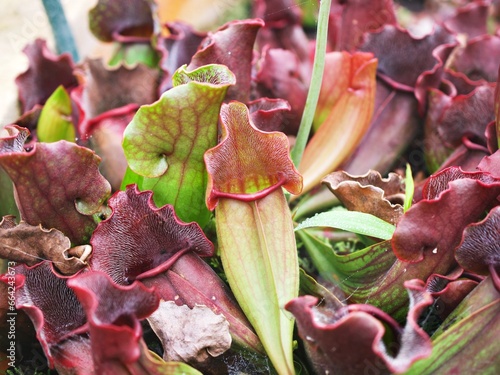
(369, 193)
(190, 335)
(31, 244)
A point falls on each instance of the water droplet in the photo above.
(309, 338)
(435, 251)
(213, 298)
(229, 53)
(404, 270)
(176, 297)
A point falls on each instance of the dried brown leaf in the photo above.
(30, 245)
(190, 335)
(369, 193)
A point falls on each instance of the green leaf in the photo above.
(355, 272)
(131, 177)
(55, 122)
(352, 221)
(132, 54)
(321, 254)
(259, 257)
(7, 203)
(310, 287)
(247, 173)
(316, 80)
(410, 187)
(165, 141)
(371, 275)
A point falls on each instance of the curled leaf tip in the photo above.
(248, 164)
(214, 74)
(12, 138)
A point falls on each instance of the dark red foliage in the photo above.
(349, 340)
(140, 240)
(351, 19)
(470, 19)
(448, 291)
(269, 114)
(122, 20)
(45, 73)
(176, 49)
(107, 88)
(453, 120)
(52, 306)
(58, 185)
(231, 45)
(452, 200)
(402, 71)
(471, 60)
(113, 313)
(479, 251)
(279, 76)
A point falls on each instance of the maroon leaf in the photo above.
(231, 45)
(477, 60)
(435, 77)
(278, 13)
(467, 156)
(176, 49)
(456, 83)
(434, 225)
(122, 21)
(449, 291)
(280, 76)
(439, 182)
(479, 251)
(28, 120)
(402, 71)
(491, 164)
(349, 20)
(283, 30)
(113, 314)
(491, 138)
(349, 340)
(51, 305)
(58, 185)
(46, 72)
(395, 118)
(107, 88)
(139, 240)
(450, 119)
(269, 114)
(470, 19)
(105, 133)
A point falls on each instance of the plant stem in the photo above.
(60, 28)
(315, 86)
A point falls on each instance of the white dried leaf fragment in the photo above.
(190, 335)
